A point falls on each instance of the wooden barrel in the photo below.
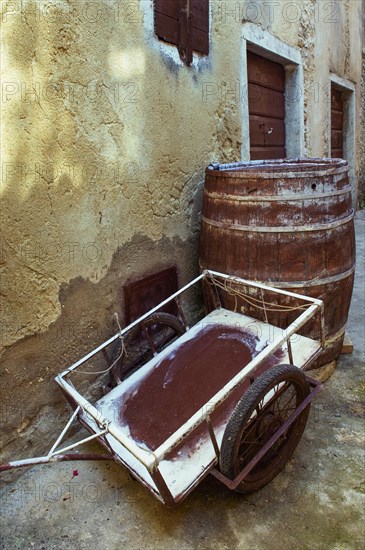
(288, 223)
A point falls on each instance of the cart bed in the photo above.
(155, 401)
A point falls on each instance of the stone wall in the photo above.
(107, 134)
(361, 182)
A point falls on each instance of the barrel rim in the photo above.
(280, 168)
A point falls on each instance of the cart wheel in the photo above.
(260, 412)
(162, 329)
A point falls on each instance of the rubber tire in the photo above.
(242, 414)
(162, 318)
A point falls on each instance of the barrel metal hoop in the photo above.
(270, 198)
(279, 229)
(313, 282)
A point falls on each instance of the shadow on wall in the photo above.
(92, 196)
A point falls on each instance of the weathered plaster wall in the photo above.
(107, 137)
(107, 141)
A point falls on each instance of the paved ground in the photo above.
(316, 503)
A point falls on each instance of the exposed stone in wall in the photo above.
(346, 37)
(361, 195)
(306, 42)
(228, 135)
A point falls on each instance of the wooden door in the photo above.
(266, 105)
(336, 123)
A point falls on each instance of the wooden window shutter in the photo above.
(184, 23)
(167, 20)
(200, 25)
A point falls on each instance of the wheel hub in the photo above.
(268, 424)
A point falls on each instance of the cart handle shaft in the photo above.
(56, 458)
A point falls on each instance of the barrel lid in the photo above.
(276, 168)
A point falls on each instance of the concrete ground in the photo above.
(316, 503)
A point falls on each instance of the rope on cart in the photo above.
(122, 352)
(234, 293)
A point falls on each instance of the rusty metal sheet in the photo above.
(142, 295)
